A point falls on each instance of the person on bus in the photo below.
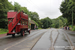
(22, 11)
(18, 23)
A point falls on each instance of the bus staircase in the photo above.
(14, 22)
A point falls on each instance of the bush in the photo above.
(70, 26)
(39, 28)
(73, 29)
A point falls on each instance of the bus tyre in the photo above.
(22, 32)
(13, 35)
(29, 31)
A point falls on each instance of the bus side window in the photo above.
(26, 22)
(23, 23)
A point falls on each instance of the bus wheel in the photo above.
(13, 35)
(29, 31)
(22, 33)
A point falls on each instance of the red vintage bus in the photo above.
(17, 23)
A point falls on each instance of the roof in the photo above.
(11, 14)
(32, 22)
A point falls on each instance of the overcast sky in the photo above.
(45, 8)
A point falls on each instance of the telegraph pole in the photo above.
(72, 17)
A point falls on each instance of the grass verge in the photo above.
(3, 31)
(39, 28)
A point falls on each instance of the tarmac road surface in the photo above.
(44, 39)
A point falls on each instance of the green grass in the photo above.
(3, 31)
(73, 29)
(39, 28)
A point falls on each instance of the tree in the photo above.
(17, 6)
(67, 7)
(59, 22)
(46, 22)
(73, 0)
(24, 9)
(62, 20)
(34, 16)
(4, 7)
(55, 23)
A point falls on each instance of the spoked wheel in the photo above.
(22, 32)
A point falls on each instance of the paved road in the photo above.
(42, 39)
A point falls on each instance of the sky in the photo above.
(44, 8)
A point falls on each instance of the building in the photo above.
(32, 25)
